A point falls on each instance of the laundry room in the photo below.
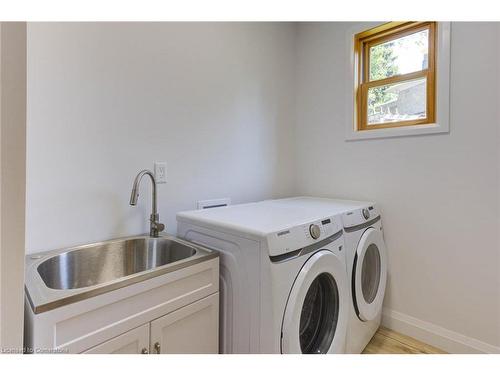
(265, 185)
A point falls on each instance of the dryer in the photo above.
(366, 260)
(283, 278)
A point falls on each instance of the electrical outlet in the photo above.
(161, 172)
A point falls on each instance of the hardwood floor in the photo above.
(387, 341)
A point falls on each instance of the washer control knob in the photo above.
(315, 231)
(366, 213)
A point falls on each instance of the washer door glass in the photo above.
(369, 275)
(317, 310)
(319, 316)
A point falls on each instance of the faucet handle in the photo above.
(159, 226)
(156, 227)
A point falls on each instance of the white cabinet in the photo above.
(135, 341)
(192, 329)
(179, 310)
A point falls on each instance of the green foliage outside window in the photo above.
(382, 65)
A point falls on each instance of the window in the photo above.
(395, 75)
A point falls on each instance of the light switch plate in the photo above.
(160, 172)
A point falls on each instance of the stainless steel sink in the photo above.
(59, 277)
(110, 261)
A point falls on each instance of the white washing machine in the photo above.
(283, 279)
(366, 259)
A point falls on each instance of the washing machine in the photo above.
(366, 259)
(283, 278)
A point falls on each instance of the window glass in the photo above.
(401, 101)
(396, 78)
(404, 55)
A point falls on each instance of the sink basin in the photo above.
(59, 277)
(105, 262)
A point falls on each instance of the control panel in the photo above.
(315, 231)
(303, 235)
(360, 216)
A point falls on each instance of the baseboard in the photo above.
(442, 338)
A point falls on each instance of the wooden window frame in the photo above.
(390, 31)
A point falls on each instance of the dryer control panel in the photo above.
(360, 216)
(299, 236)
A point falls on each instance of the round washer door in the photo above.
(369, 274)
(316, 313)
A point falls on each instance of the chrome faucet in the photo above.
(155, 226)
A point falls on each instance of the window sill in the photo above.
(354, 135)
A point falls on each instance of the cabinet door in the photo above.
(135, 341)
(191, 329)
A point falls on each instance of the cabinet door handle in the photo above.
(157, 347)
(144, 351)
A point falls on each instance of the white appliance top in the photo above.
(353, 213)
(259, 218)
(283, 224)
(325, 205)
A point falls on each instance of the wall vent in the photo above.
(213, 203)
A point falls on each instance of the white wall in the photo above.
(106, 100)
(12, 181)
(439, 194)
(216, 101)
